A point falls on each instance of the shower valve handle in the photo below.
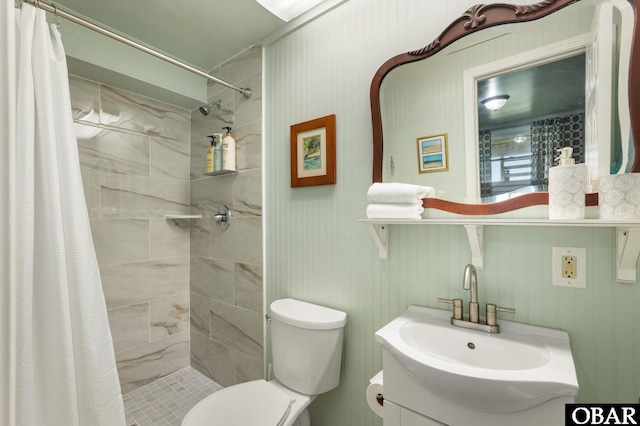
(222, 218)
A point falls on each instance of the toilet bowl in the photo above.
(253, 403)
(306, 342)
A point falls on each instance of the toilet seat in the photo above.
(248, 404)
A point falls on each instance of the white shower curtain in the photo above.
(61, 352)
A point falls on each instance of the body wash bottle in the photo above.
(217, 153)
(211, 154)
(567, 187)
(228, 151)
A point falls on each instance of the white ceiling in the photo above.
(202, 33)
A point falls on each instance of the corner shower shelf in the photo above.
(627, 236)
(221, 172)
(183, 216)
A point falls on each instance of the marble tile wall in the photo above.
(134, 156)
(226, 266)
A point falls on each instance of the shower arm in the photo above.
(75, 19)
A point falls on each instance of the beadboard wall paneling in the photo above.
(316, 251)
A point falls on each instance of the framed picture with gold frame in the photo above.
(313, 152)
(433, 154)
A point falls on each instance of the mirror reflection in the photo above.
(524, 117)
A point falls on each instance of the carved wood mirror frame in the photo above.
(475, 19)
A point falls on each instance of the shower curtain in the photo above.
(63, 369)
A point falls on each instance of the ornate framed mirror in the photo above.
(485, 19)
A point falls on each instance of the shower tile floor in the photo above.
(166, 401)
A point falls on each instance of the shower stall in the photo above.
(131, 175)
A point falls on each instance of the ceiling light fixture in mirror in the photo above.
(495, 103)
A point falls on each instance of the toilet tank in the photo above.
(306, 344)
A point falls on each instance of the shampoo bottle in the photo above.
(217, 153)
(567, 187)
(228, 151)
(211, 154)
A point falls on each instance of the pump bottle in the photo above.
(567, 187)
(211, 154)
(217, 153)
(228, 151)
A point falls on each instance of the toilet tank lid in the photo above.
(307, 315)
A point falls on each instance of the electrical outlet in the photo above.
(569, 267)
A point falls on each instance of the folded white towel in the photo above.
(395, 211)
(398, 193)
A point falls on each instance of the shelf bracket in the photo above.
(475, 233)
(379, 234)
(627, 251)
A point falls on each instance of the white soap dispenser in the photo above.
(567, 187)
(228, 151)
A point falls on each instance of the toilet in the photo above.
(306, 344)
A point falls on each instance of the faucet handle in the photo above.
(457, 306)
(492, 318)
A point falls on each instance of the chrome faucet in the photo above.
(470, 282)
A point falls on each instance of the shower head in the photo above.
(204, 109)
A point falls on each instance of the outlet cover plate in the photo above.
(580, 255)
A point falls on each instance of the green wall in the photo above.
(317, 251)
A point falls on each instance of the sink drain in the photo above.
(471, 345)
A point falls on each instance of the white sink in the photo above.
(519, 368)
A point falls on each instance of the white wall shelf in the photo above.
(627, 236)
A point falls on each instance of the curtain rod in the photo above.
(61, 13)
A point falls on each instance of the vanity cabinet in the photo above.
(395, 415)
